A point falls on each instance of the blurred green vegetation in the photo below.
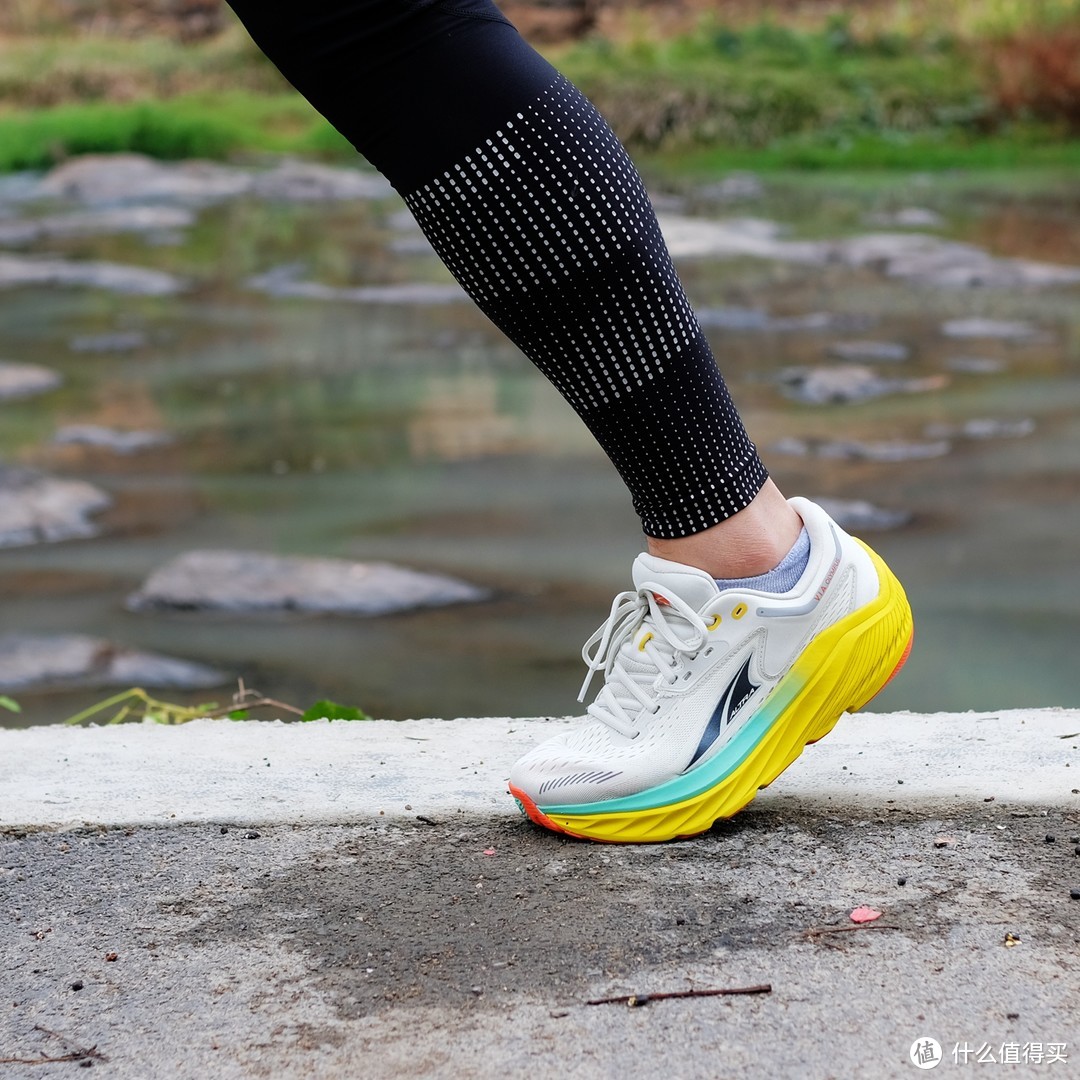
(200, 125)
(747, 89)
(907, 85)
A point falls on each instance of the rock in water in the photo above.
(285, 281)
(999, 329)
(886, 452)
(118, 178)
(18, 270)
(248, 581)
(878, 352)
(103, 179)
(849, 383)
(120, 442)
(36, 508)
(28, 661)
(308, 181)
(25, 380)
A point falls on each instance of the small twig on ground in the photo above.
(660, 995)
(75, 1055)
(814, 931)
(250, 698)
(251, 701)
(82, 1054)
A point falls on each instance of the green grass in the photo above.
(760, 97)
(193, 125)
(746, 89)
(237, 124)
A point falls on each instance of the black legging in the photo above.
(530, 200)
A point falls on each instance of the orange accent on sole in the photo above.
(533, 812)
(901, 662)
(538, 817)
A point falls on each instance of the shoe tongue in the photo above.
(691, 585)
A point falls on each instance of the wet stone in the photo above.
(118, 178)
(17, 270)
(42, 661)
(301, 181)
(853, 450)
(689, 237)
(119, 442)
(40, 509)
(283, 281)
(928, 260)
(997, 329)
(878, 352)
(848, 383)
(758, 321)
(136, 219)
(915, 257)
(102, 179)
(26, 380)
(241, 581)
(18, 233)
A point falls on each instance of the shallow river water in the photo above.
(410, 431)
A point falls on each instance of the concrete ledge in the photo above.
(341, 772)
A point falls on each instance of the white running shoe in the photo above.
(710, 695)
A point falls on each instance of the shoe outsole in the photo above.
(839, 671)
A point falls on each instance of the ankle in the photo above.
(753, 541)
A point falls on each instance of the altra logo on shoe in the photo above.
(828, 579)
(739, 691)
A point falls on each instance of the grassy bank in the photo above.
(200, 125)
(836, 95)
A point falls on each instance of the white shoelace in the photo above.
(630, 670)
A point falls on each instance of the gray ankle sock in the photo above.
(781, 578)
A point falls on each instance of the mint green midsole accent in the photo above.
(692, 784)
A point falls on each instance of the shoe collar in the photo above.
(665, 578)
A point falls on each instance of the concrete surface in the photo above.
(360, 900)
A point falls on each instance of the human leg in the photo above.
(534, 206)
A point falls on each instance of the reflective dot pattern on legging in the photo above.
(549, 229)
